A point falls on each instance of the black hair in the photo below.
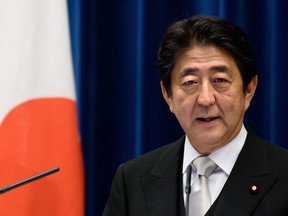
(205, 31)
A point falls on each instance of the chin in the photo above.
(210, 140)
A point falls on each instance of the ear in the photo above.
(166, 96)
(250, 91)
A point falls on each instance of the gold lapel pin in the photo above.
(254, 189)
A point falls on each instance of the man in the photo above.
(208, 79)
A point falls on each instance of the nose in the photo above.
(206, 96)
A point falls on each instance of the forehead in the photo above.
(204, 58)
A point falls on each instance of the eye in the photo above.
(220, 80)
(189, 83)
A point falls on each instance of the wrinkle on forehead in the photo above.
(198, 59)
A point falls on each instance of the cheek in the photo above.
(237, 108)
(182, 105)
(232, 106)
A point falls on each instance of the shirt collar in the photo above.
(224, 157)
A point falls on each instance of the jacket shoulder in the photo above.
(147, 161)
(278, 158)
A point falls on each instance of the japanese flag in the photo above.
(38, 126)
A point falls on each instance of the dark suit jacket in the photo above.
(151, 185)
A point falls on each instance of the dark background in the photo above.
(121, 110)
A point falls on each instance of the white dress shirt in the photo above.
(224, 157)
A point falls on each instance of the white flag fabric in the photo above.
(38, 117)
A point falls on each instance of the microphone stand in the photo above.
(188, 187)
(28, 180)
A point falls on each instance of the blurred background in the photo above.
(120, 107)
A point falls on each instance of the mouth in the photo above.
(208, 119)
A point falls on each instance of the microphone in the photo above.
(188, 187)
(28, 180)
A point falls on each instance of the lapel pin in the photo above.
(254, 189)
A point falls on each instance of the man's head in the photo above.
(204, 31)
(208, 79)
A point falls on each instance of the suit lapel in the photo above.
(248, 182)
(237, 197)
(159, 187)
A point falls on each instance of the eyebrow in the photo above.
(220, 68)
(188, 71)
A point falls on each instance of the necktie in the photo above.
(200, 196)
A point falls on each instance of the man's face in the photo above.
(207, 97)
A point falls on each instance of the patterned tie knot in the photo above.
(204, 165)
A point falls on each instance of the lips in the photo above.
(208, 119)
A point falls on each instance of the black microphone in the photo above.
(188, 187)
(28, 180)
